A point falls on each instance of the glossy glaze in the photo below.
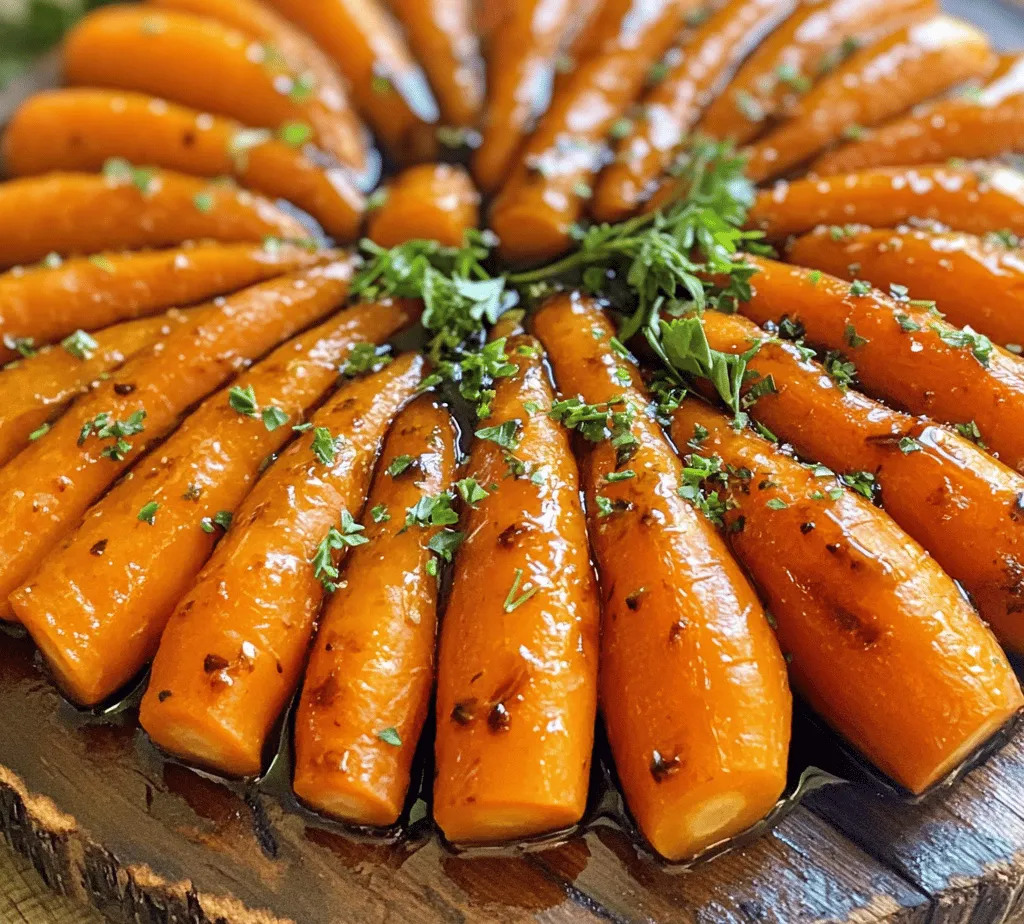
(430, 201)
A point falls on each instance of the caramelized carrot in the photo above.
(430, 201)
(517, 670)
(807, 45)
(881, 642)
(388, 86)
(672, 107)
(234, 648)
(76, 213)
(882, 81)
(81, 129)
(903, 355)
(547, 189)
(963, 506)
(202, 63)
(367, 687)
(97, 605)
(976, 199)
(692, 686)
(44, 303)
(974, 282)
(50, 484)
(976, 124)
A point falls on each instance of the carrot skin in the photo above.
(97, 615)
(675, 603)
(429, 201)
(372, 665)
(234, 648)
(517, 670)
(881, 642)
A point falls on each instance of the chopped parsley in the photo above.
(363, 358)
(470, 491)
(399, 465)
(323, 445)
(79, 344)
(347, 536)
(148, 513)
(504, 435)
(390, 736)
(515, 597)
(243, 400)
(273, 417)
(379, 514)
(104, 427)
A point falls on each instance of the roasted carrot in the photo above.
(81, 129)
(97, 605)
(963, 506)
(904, 355)
(672, 107)
(881, 642)
(976, 199)
(881, 81)
(550, 183)
(785, 65)
(367, 688)
(975, 124)
(50, 484)
(388, 86)
(973, 281)
(692, 687)
(430, 201)
(200, 62)
(129, 208)
(517, 670)
(234, 648)
(46, 302)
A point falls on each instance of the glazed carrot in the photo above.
(517, 670)
(388, 86)
(97, 605)
(46, 302)
(367, 687)
(76, 213)
(38, 388)
(234, 648)
(973, 281)
(80, 129)
(903, 355)
(430, 201)
(786, 63)
(50, 484)
(881, 642)
(975, 199)
(976, 124)
(947, 493)
(202, 63)
(692, 687)
(546, 190)
(672, 107)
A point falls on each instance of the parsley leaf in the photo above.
(504, 435)
(79, 344)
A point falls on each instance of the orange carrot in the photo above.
(234, 648)
(47, 488)
(881, 642)
(96, 606)
(430, 201)
(367, 688)
(692, 686)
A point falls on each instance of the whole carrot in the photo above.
(367, 688)
(693, 687)
(881, 642)
(97, 605)
(233, 650)
(430, 201)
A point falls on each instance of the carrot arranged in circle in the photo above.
(786, 64)
(200, 62)
(673, 106)
(234, 648)
(80, 213)
(976, 199)
(429, 201)
(693, 686)
(904, 355)
(517, 670)
(972, 281)
(881, 642)
(81, 129)
(962, 505)
(97, 605)
(49, 485)
(368, 685)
